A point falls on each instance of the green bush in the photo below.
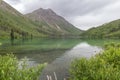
(104, 66)
(10, 69)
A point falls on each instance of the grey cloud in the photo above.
(13, 2)
(81, 13)
(79, 7)
(66, 7)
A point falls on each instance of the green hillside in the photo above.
(19, 24)
(14, 24)
(10, 19)
(108, 30)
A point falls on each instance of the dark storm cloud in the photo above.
(82, 13)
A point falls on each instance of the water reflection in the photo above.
(61, 64)
(57, 53)
(12, 42)
(41, 56)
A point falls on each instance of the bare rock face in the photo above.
(54, 22)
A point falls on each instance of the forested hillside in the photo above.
(17, 25)
(108, 30)
(12, 21)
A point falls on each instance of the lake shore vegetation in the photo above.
(12, 69)
(103, 66)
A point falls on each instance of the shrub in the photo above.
(104, 66)
(10, 70)
(0, 43)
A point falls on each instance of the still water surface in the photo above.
(58, 53)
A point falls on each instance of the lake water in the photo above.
(58, 53)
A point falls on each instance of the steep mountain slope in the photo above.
(108, 30)
(10, 19)
(53, 22)
(44, 23)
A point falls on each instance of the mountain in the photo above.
(13, 21)
(40, 23)
(108, 30)
(52, 22)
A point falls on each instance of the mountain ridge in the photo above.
(7, 7)
(53, 20)
(49, 24)
(107, 30)
(11, 19)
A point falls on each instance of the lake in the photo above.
(58, 53)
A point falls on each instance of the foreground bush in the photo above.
(10, 70)
(104, 66)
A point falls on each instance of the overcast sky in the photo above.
(83, 14)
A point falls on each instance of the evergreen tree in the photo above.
(12, 34)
